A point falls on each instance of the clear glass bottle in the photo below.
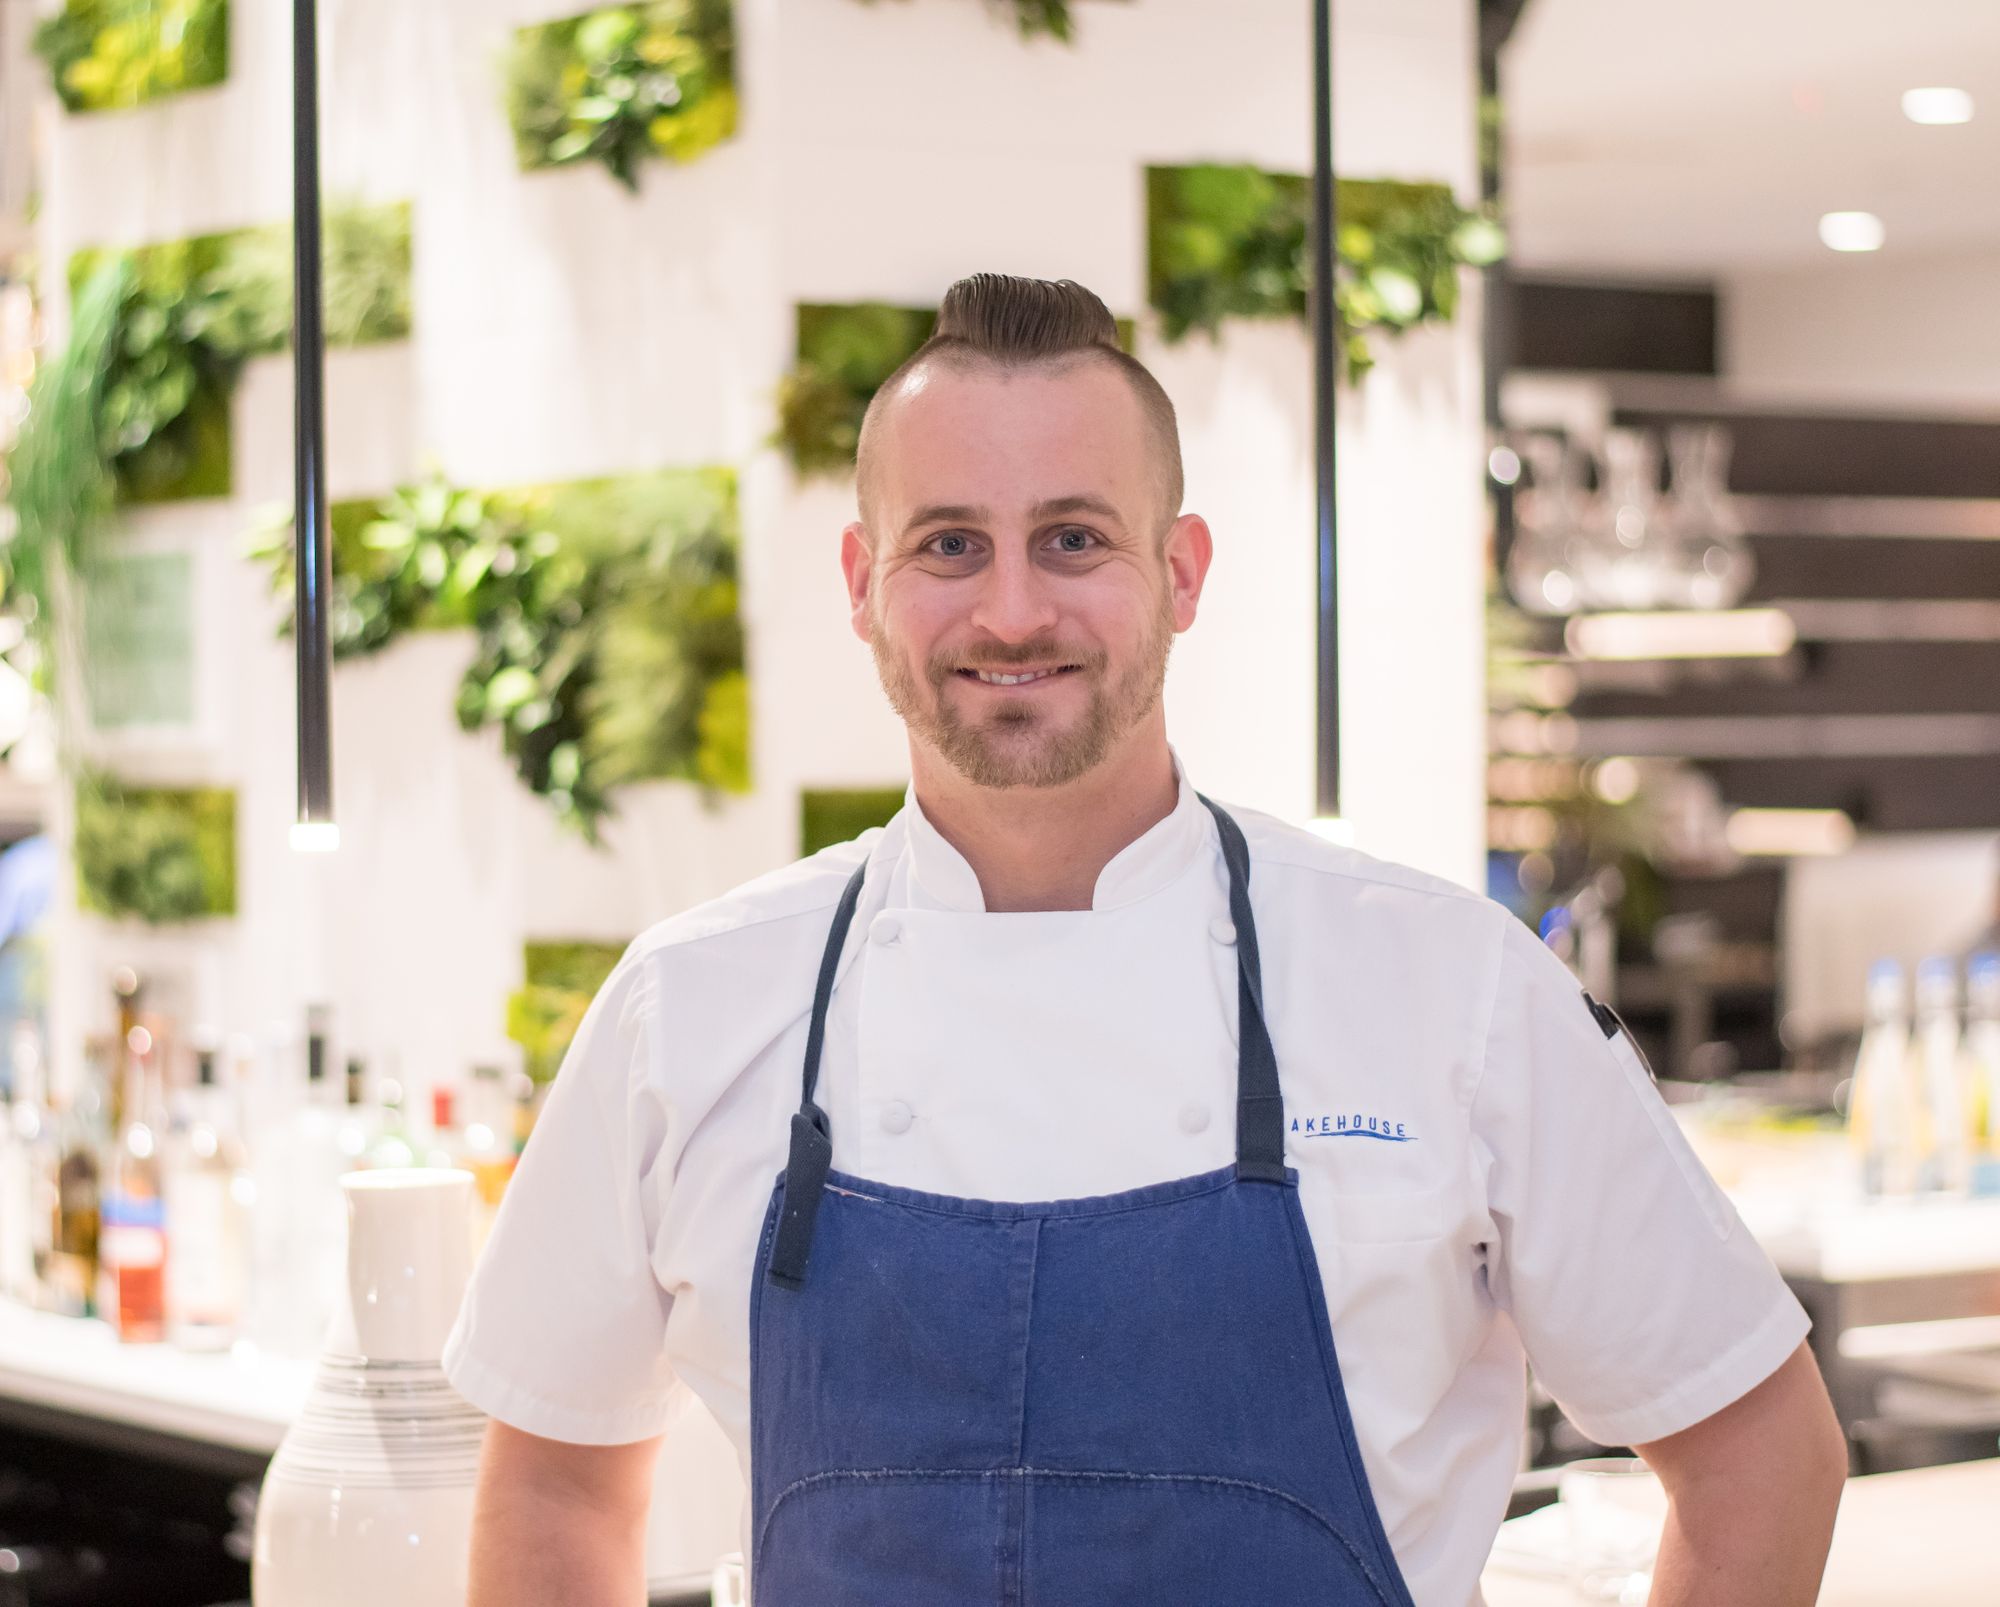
(132, 1252)
(391, 1144)
(1982, 1049)
(298, 1232)
(82, 1140)
(36, 1156)
(207, 1199)
(1943, 1087)
(1880, 1118)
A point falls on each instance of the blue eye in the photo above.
(1075, 539)
(952, 545)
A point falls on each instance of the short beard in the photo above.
(999, 751)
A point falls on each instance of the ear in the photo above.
(1189, 547)
(857, 563)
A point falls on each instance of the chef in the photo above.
(1080, 1191)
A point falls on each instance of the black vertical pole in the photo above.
(314, 576)
(1325, 323)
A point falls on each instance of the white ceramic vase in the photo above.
(369, 1498)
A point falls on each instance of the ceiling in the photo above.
(1697, 137)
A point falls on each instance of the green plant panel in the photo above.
(545, 1012)
(845, 354)
(105, 55)
(610, 642)
(193, 311)
(832, 815)
(157, 853)
(139, 640)
(624, 85)
(1228, 242)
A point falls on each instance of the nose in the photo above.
(1016, 599)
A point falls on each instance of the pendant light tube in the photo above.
(313, 557)
(1325, 323)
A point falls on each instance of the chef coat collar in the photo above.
(941, 878)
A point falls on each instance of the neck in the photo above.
(1043, 848)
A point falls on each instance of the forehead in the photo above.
(1005, 438)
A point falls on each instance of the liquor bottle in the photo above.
(299, 1229)
(1982, 1051)
(489, 1145)
(17, 1242)
(207, 1199)
(70, 1286)
(132, 1251)
(1942, 1086)
(392, 1145)
(446, 1144)
(360, 1123)
(28, 1197)
(1880, 1118)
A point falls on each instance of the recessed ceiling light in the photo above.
(1851, 231)
(1937, 106)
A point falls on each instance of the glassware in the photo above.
(1880, 1118)
(132, 1249)
(1942, 1077)
(1624, 562)
(1617, 1511)
(1712, 564)
(1549, 510)
(207, 1200)
(1982, 1048)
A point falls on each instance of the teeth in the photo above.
(1012, 680)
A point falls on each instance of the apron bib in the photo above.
(1127, 1399)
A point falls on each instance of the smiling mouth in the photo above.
(1020, 678)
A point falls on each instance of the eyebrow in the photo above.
(1049, 508)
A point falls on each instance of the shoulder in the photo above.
(1289, 856)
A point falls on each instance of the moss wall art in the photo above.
(624, 85)
(610, 646)
(832, 815)
(1231, 242)
(155, 853)
(845, 354)
(105, 55)
(545, 1011)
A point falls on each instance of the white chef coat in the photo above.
(1483, 1173)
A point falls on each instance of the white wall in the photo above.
(1886, 329)
(564, 328)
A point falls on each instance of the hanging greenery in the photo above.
(846, 353)
(158, 853)
(1232, 242)
(610, 646)
(1032, 17)
(108, 54)
(544, 1013)
(623, 84)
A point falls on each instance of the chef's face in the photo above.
(1014, 529)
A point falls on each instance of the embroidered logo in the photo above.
(1357, 1125)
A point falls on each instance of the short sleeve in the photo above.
(562, 1332)
(1643, 1302)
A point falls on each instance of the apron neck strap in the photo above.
(1260, 1110)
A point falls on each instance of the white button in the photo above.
(897, 1116)
(1194, 1118)
(885, 929)
(1222, 929)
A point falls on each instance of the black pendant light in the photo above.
(313, 557)
(1325, 323)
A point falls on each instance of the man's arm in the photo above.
(1751, 1493)
(554, 1522)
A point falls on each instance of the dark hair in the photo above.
(1018, 323)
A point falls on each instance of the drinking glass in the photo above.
(1617, 1511)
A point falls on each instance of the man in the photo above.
(1169, 1196)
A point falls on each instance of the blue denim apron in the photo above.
(1131, 1398)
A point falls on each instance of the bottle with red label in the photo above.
(132, 1238)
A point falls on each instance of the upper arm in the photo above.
(1643, 1302)
(615, 1480)
(1774, 1433)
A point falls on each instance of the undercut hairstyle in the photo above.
(1000, 320)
